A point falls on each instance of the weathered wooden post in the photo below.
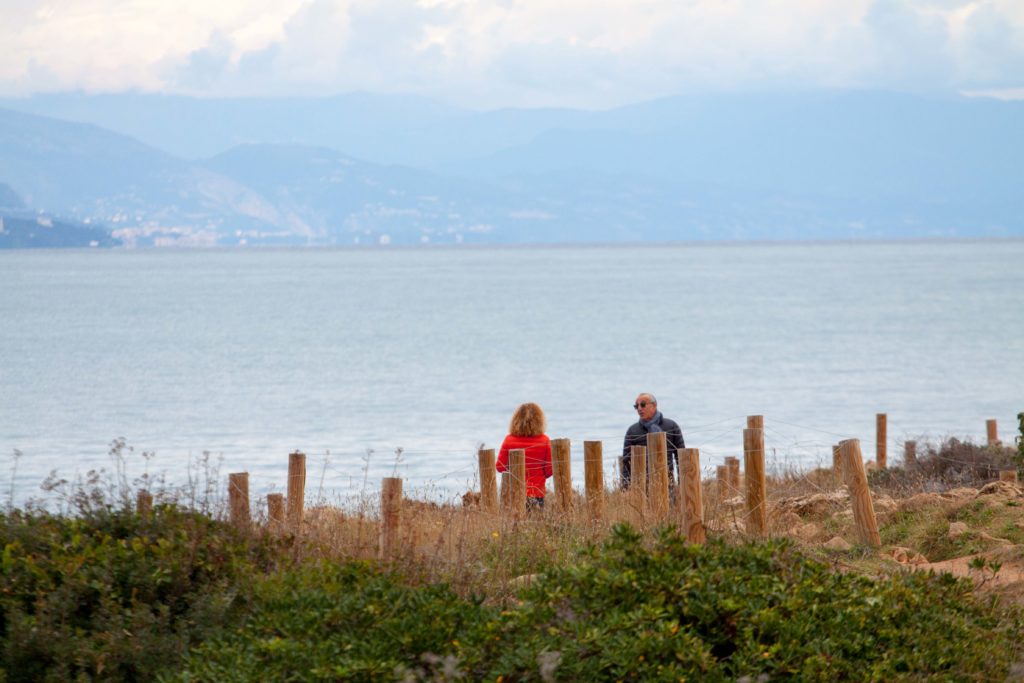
(506, 491)
(390, 516)
(296, 489)
(721, 479)
(757, 494)
(860, 495)
(238, 499)
(593, 468)
(638, 478)
(657, 458)
(732, 463)
(693, 501)
(275, 512)
(881, 441)
(517, 467)
(992, 429)
(755, 421)
(488, 480)
(561, 471)
(1008, 475)
(144, 503)
(909, 454)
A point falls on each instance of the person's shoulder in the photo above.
(634, 428)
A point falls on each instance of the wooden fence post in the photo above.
(238, 499)
(721, 479)
(296, 489)
(517, 466)
(992, 429)
(693, 501)
(638, 478)
(144, 503)
(881, 441)
(275, 512)
(390, 516)
(488, 480)
(506, 490)
(909, 454)
(860, 495)
(657, 460)
(593, 468)
(561, 470)
(755, 421)
(757, 496)
(1008, 475)
(732, 463)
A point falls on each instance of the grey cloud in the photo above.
(993, 51)
(384, 40)
(911, 50)
(205, 67)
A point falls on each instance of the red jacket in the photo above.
(538, 460)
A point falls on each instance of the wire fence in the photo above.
(444, 475)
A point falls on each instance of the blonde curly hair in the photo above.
(528, 420)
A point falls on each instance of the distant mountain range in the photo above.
(362, 169)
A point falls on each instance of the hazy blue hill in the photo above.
(9, 198)
(377, 127)
(62, 165)
(26, 231)
(843, 145)
(85, 172)
(343, 198)
(793, 166)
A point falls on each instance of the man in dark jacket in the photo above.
(651, 421)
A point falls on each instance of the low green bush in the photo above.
(328, 621)
(115, 596)
(624, 610)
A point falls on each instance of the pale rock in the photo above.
(813, 505)
(836, 543)
(960, 493)
(920, 502)
(1001, 488)
(907, 556)
(957, 529)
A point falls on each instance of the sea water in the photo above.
(385, 362)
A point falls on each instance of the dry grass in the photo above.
(491, 554)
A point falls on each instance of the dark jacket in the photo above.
(636, 435)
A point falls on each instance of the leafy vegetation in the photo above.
(624, 610)
(1019, 457)
(950, 463)
(116, 596)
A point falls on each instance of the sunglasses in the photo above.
(641, 404)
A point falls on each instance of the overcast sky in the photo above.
(491, 53)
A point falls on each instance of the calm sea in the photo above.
(404, 361)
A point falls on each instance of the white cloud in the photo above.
(500, 52)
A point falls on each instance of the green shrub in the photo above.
(950, 464)
(114, 596)
(625, 610)
(342, 622)
(722, 612)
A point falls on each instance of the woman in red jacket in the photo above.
(526, 431)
